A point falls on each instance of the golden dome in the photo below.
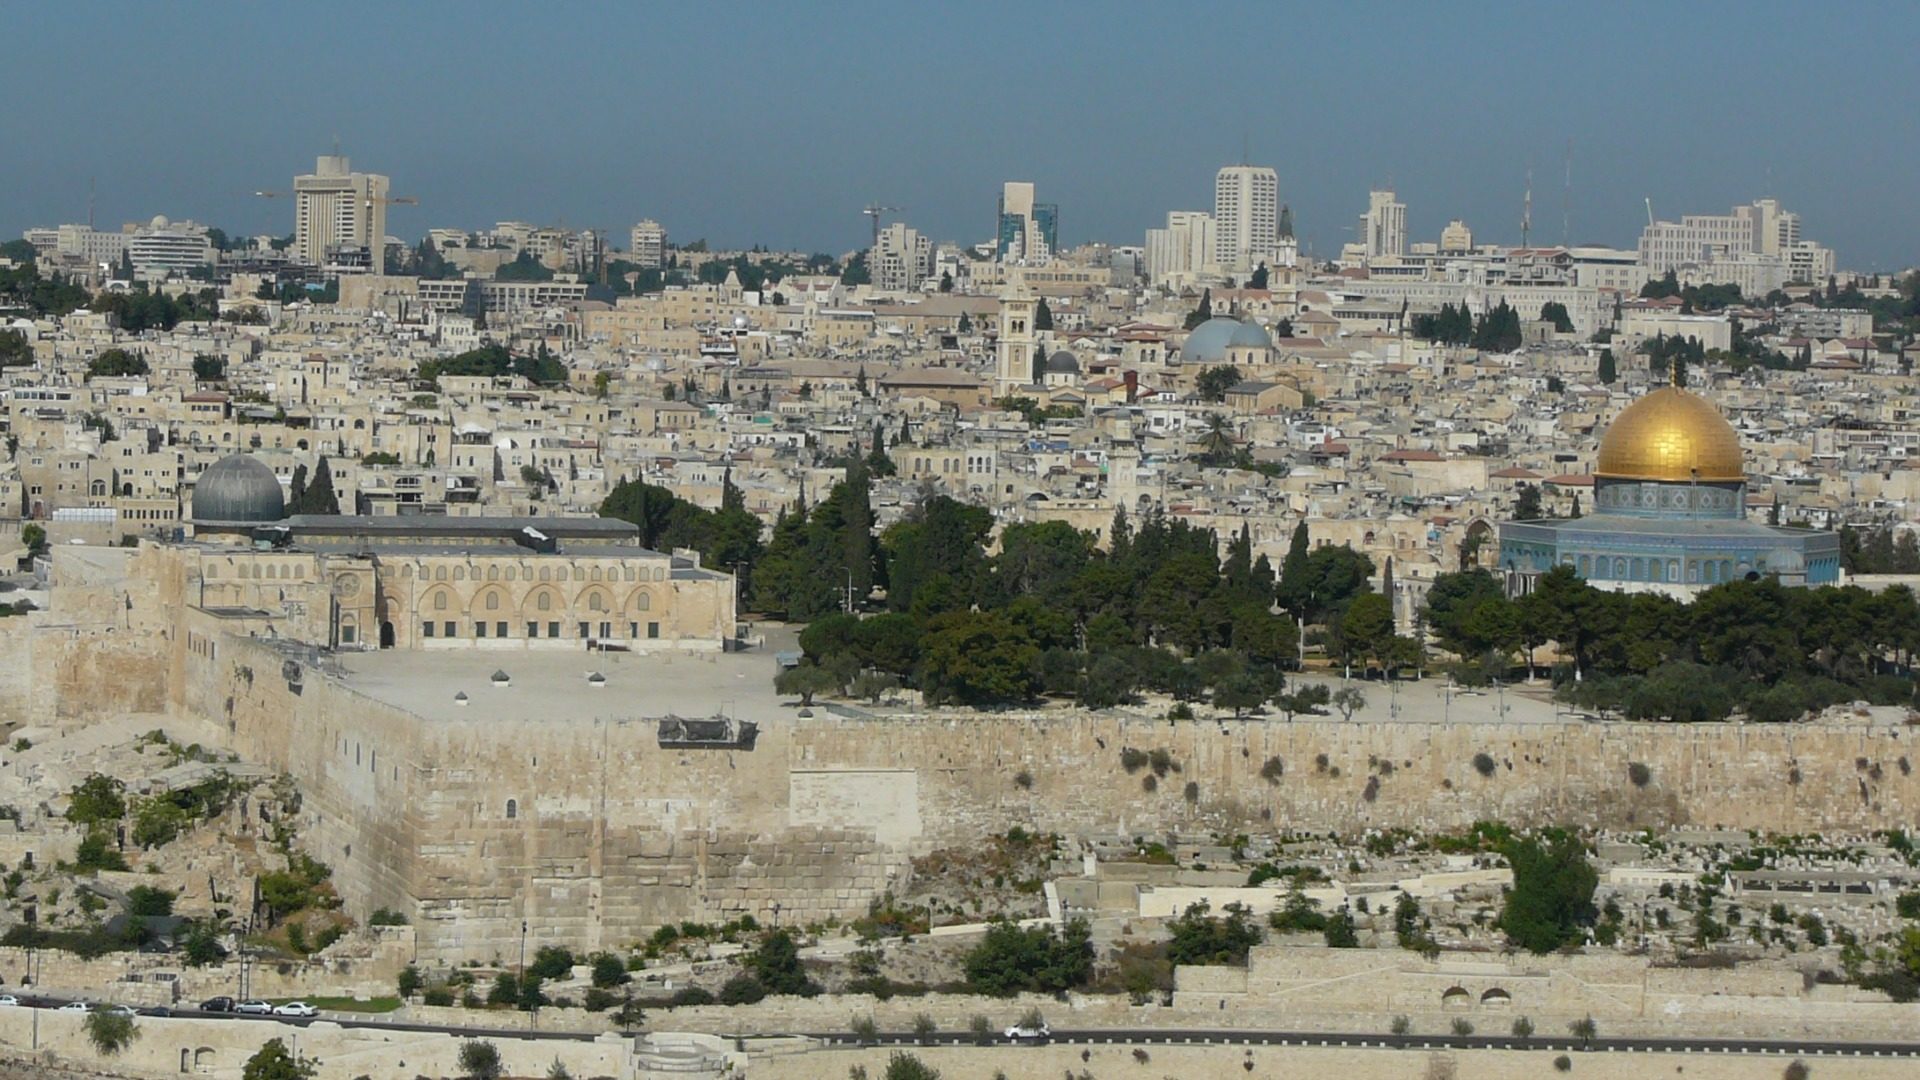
(1671, 435)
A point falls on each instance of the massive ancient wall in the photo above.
(609, 835)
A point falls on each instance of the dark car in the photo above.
(156, 1010)
(217, 1004)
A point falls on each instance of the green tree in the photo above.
(149, 900)
(209, 369)
(1555, 312)
(609, 972)
(1010, 959)
(807, 679)
(409, 982)
(977, 659)
(1607, 374)
(904, 1066)
(116, 363)
(95, 800)
(1366, 627)
(1213, 383)
(1201, 938)
(776, 964)
(1551, 901)
(480, 1060)
(1042, 315)
(110, 1032)
(318, 496)
(1295, 589)
(273, 1062)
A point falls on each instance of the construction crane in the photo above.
(874, 210)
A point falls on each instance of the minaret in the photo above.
(1014, 362)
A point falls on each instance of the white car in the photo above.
(1022, 1033)
(296, 1008)
(120, 1010)
(255, 1008)
(77, 1006)
(8, 1001)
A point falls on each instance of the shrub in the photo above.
(1132, 760)
(551, 962)
(1401, 1025)
(409, 982)
(923, 1026)
(609, 971)
(110, 1032)
(1563, 1063)
(1149, 783)
(1795, 1071)
(1023, 780)
(1462, 1026)
(1191, 792)
(1908, 905)
(1638, 773)
(742, 989)
(1522, 1027)
(438, 996)
(981, 1028)
(1483, 763)
(864, 1029)
(148, 900)
(386, 917)
(690, 995)
(1584, 1029)
(1272, 770)
(93, 854)
(1140, 1056)
(904, 1066)
(480, 1060)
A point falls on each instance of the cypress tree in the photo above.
(319, 496)
(1295, 590)
(297, 491)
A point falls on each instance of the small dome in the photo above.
(1671, 435)
(238, 489)
(1208, 342)
(1063, 363)
(1251, 335)
(159, 221)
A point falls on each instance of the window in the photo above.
(553, 628)
(513, 809)
(448, 628)
(545, 603)
(426, 629)
(606, 629)
(493, 601)
(348, 634)
(633, 629)
(533, 629)
(653, 629)
(585, 631)
(479, 629)
(500, 629)
(440, 600)
(645, 602)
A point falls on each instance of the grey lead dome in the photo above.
(238, 488)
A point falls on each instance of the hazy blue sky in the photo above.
(776, 123)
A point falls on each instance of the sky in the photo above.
(776, 123)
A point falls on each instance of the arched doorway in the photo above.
(386, 635)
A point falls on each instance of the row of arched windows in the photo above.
(656, 571)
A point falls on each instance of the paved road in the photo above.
(1816, 1048)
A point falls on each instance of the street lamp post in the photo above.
(522, 973)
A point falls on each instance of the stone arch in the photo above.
(440, 598)
(544, 598)
(493, 598)
(1496, 998)
(593, 598)
(1455, 997)
(640, 600)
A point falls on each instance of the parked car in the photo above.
(1023, 1033)
(254, 1008)
(119, 1010)
(156, 1010)
(77, 1007)
(222, 1004)
(8, 1001)
(296, 1008)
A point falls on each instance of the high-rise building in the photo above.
(162, 248)
(1185, 247)
(1456, 238)
(1246, 210)
(1383, 228)
(1028, 231)
(337, 210)
(901, 259)
(649, 246)
(1753, 246)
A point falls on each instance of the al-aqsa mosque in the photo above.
(1670, 513)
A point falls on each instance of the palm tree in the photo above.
(1216, 446)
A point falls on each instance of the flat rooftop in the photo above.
(552, 685)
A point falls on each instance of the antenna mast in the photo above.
(1566, 201)
(1526, 209)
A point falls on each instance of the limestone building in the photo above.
(430, 582)
(1670, 513)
